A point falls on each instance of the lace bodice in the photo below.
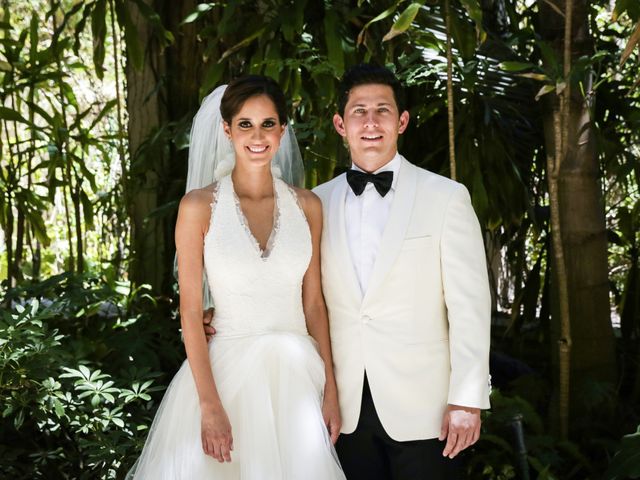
(256, 291)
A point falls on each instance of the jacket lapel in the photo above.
(396, 227)
(339, 244)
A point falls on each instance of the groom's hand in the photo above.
(207, 318)
(461, 429)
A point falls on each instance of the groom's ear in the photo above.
(338, 123)
(404, 122)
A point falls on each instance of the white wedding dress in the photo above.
(267, 369)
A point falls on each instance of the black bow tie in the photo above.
(358, 180)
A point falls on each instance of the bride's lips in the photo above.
(257, 148)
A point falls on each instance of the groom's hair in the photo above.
(369, 74)
(243, 88)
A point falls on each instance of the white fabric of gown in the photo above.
(267, 368)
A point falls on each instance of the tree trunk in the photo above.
(146, 113)
(582, 217)
(160, 176)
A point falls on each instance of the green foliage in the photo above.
(626, 463)
(57, 140)
(404, 21)
(496, 455)
(76, 386)
(630, 7)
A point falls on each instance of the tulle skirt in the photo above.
(271, 387)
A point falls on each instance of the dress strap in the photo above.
(296, 201)
(214, 201)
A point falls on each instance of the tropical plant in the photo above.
(79, 377)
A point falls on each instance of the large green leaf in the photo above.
(87, 209)
(80, 26)
(404, 21)
(33, 35)
(199, 11)
(626, 463)
(335, 53)
(107, 107)
(475, 12)
(292, 20)
(241, 44)
(516, 66)
(273, 59)
(464, 36)
(99, 32)
(42, 112)
(13, 116)
(388, 12)
(630, 7)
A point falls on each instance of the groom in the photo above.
(405, 282)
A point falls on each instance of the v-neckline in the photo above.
(264, 253)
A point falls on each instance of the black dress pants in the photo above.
(370, 454)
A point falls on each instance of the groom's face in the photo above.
(371, 124)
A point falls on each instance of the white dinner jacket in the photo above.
(422, 329)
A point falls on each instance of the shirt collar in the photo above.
(391, 166)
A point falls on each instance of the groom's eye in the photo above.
(360, 111)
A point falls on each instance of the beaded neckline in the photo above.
(265, 253)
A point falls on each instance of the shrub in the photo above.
(80, 371)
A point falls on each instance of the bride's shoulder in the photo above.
(198, 201)
(309, 202)
(306, 198)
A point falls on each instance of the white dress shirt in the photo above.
(365, 217)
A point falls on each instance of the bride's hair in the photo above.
(243, 88)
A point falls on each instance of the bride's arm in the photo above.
(191, 227)
(315, 311)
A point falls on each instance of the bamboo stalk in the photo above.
(20, 231)
(9, 196)
(561, 117)
(78, 221)
(121, 149)
(450, 112)
(9, 239)
(124, 183)
(35, 258)
(66, 158)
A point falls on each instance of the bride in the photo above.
(260, 401)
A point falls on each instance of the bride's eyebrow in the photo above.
(245, 119)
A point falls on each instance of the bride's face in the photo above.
(255, 131)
